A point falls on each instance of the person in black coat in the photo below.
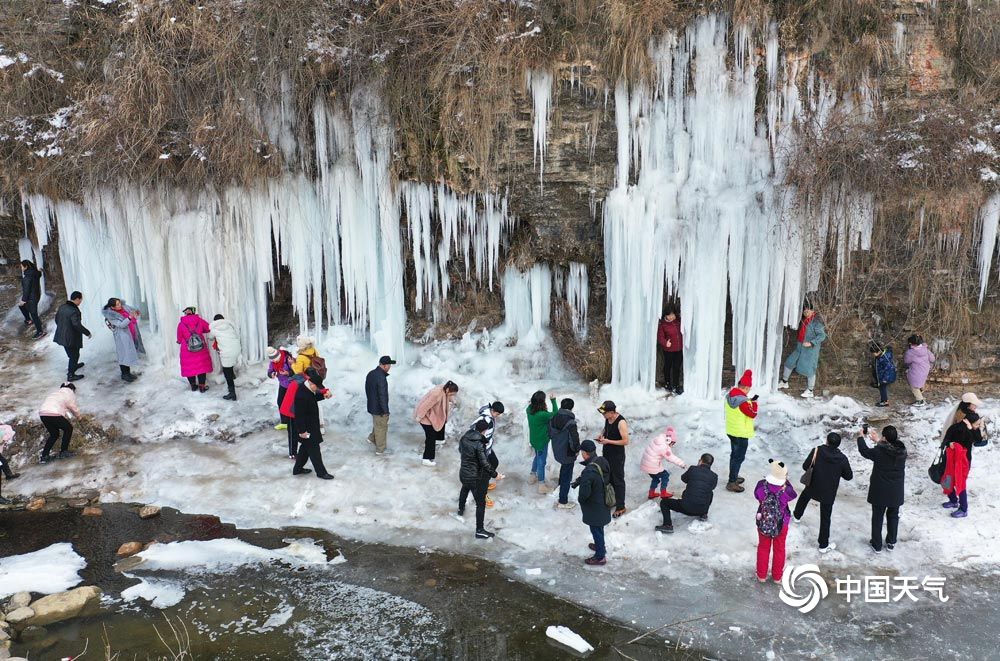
(885, 492)
(701, 481)
(592, 483)
(829, 465)
(307, 425)
(69, 333)
(474, 473)
(565, 438)
(31, 294)
(377, 393)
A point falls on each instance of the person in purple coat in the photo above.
(918, 360)
(774, 493)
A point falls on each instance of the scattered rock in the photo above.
(35, 504)
(149, 511)
(129, 548)
(431, 582)
(19, 615)
(79, 503)
(32, 633)
(19, 600)
(92, 511)
(65, 605)
(128, 564)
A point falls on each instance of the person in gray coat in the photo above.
(123, 322)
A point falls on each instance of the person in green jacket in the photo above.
(538, 436)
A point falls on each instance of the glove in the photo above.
(575, 483)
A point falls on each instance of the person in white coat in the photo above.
(227, 343)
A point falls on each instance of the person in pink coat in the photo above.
(196, 361)
(658, 450)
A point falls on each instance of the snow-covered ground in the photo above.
(180, 462)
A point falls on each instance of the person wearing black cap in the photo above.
(614, 438)
(593, 504)
(307, 425)
(474, 473)
(828, 465)
(377, 392)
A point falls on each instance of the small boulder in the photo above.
(32, 633)
(149, 511)
(35, 504)
(19, 600)
(129, 548)
(92, 511)
(64, 605)
(20, 615)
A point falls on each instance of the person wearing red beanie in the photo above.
(740, 410)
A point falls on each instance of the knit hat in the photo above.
(671, 436)
(778, 475)
(588, 446)
(272, 353)
(746, 380)
(304, 342)
(970, 398)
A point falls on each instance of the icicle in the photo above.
(527, 302)
(899, 41)
(989, 216)
(539, 83)
(578, 297)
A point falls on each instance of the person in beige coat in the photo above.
(432, 414)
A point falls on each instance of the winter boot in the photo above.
(482, 533)
(950, 505)
(544, 488)
(194, 387)
(66, 455)
(203, 388)
(599, 562)
(667, 530)
(532, 479)
(652, 494)
(959, 514)
(231, 396)
(666, 494)
(735, 487)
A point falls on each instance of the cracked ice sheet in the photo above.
(702, 568)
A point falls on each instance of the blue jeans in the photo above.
(565, 477)
(883, 392)
(538, 463)
(737, 453)
(598, 533)
(660, 479)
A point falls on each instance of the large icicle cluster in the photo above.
(527, 298)
(707, 216)
(539, 83)
(989, 217)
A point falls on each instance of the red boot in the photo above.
(652, 494)
(666, 494)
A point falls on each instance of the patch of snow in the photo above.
(48, 571)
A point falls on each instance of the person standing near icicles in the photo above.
(614, 438)
(539, 416)
(956, 469)
(54, 414)
(69, 333)
(671, 341)
(773, 493)
(805, 358)
(377, 394)
(829, 466)
(489, 415)
(31, 295)
(306, 354)
(886, 489)
(307, 425)
(279, 366)
(196, 361)
(475, 471)
(593, 499)
(123, 322)
(432, 416)
(883, 370)
(740, 410)
(918, 359)
(227, 343)
(565, 437)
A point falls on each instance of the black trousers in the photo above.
(478, 490)
(230, 374)
(617, 463)
(73, 353)
(431, 437)
(200, 380)
(55, 424)
(5, 466)
(673, 369)
(891, 517)
(825, 513)
(668, 505)
(281, 397)
(30, 313)
(310, 449)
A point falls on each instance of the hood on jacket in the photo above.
(920, 350)
(471, 437)
(736, 397)
(829, 455)
(562, 418)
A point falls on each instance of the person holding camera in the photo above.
(885, 492)
(740, 409)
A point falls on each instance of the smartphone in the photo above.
(864, 429)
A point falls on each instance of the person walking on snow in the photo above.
(805, 358)
(740, 410)
(886, 489)
(279, 366)
(69, 333)
(31, 295)
(489, 415)
(829, 465)
(538, 436)
(774, 493)
(123, 322)
(956, 470)
(565, 446)
(196, 361)
(593, 482)
(54, 413)
(696, 500)
(918, 360)
(668, 336)
(432, 415)
(883, 370)
(614, 438)
(227, 342)
(658, 450)
(6, 436)
(307, 425)
(377, 393)
(474, 473)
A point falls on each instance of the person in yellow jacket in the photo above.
(303, 358)
(740, 410)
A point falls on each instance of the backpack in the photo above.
(195, 342)
(318, 363)
(936, 471)
(770, 518)
(609, 491)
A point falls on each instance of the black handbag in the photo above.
(936, 471)
(808, 475)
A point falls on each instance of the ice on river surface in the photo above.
(47, 571)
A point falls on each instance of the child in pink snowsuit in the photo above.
(652, 461)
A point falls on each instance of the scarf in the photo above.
(133, 325)
(803, 327)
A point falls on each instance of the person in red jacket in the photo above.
(956, 472)
(668, 336)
